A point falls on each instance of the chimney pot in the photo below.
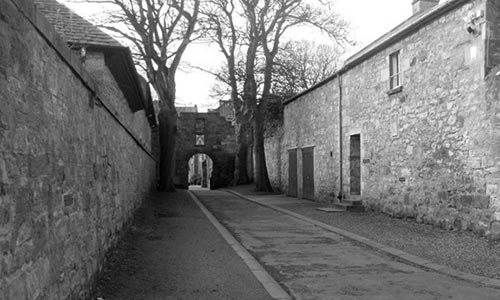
(423, 5)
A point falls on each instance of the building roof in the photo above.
(72, 27)
(401, 31)
(79, 32)
(186, 109)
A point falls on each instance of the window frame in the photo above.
(201, 138)
(200, 125)
(395, 74)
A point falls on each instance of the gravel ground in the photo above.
(463, 251)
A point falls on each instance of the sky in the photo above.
(369, 19)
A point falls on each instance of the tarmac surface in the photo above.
(174, 252)
(313, 263)
(206, 244)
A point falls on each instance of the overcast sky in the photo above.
(369, 20)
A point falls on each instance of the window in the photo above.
(199, 126)
(394, 71)
(200, 140)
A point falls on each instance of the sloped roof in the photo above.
(186, 109)
(72, 27)
(407, 27)
(78, 31)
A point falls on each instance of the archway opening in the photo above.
(200, 171)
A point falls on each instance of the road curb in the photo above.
(268, 282)
(413, 259)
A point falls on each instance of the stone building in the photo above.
(410, 125)
(75, 153)
(186, 109)
(212, 136)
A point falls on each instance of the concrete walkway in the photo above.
(314, 263)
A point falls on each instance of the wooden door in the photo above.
(308, 173)
(292, 173)
(355, 164)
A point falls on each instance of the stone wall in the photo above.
(313, 121)
(274, 158)
(74, 163)
(417, 146)
(219, 144)
(428, 151)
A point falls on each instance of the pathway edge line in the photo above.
(270, 285)
(400, 254)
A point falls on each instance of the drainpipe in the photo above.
(341, 150)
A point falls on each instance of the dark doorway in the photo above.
(308, 173)
(292, 173)
(355, 163)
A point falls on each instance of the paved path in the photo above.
(312, 263)
(176, 253)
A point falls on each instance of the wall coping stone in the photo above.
(401, 31)
(30, 11)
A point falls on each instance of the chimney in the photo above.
(423, 5)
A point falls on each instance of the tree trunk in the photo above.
(168, 130)
(240, 163)
(262, 182)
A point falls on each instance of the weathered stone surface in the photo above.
(219, 143)
(70, 175)
(429, 151)
(494, 231)
(274, 158)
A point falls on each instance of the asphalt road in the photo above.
(315, 264)
(175, 253)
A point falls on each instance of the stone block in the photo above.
(481, 201)
(39, 165)
(491, 189)
(17, 287)
(463, 202)
(494, 231)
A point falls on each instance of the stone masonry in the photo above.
(430, 149)
(219, 144)
(75, 162)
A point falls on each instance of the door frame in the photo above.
(296, 171)
(304, 150)
(351, 134)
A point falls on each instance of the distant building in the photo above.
(186, 109)
(226, 110)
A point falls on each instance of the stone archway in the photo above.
(200, 170)
(206, 133)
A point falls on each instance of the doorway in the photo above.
(200, 171)
(308, 173)
(355, 164)
(292, 173)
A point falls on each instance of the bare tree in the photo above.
(301, 64)
(257, 28)
(160, 31)
(221, 21)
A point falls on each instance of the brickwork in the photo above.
(428, 151)
(74, 164)
(218, 143)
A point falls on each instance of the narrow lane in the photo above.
(176, 254)
(313, 263)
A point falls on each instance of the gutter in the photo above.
(398, 33)
(341, 137)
